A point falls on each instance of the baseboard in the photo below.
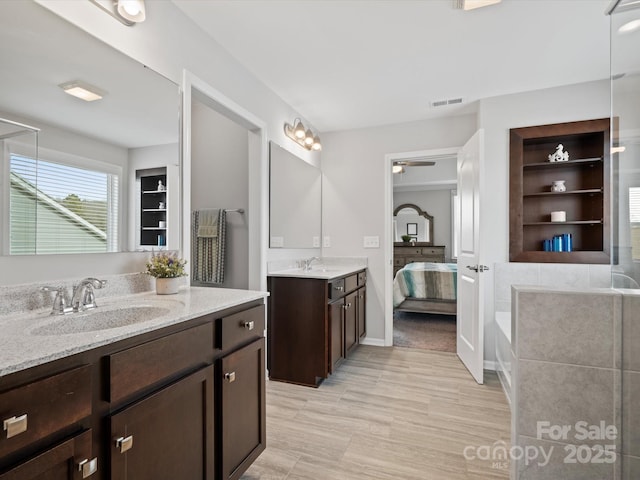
(375, 342)
(490, 365)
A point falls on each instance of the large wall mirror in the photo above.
(75, 170)
(295, 199)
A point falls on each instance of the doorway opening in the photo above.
(422, 239)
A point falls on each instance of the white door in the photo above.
(470, 322)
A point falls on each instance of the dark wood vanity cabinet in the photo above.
(183, 402)
(313, 324)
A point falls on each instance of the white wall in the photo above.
(496, 116)
(353, 205)
(436, 203)
(220, 179)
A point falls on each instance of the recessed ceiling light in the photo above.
(82, 90)
(630, 26)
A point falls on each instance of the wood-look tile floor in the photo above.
(386, 414)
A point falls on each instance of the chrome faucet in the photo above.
(60, 302)
(306, 264)
(83, 295)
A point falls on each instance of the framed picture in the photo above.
(412, 229)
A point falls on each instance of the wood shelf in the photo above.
(569, 163)
(154, 191)
(149, 212)
(154, 209)
(587, 196)
(591, 191)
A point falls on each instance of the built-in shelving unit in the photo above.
(585, 201)
(153, 207)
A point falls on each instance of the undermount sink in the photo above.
(96, 320)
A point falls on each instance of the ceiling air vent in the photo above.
(443, 103)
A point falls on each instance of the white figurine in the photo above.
(559, 155)
(160, 186)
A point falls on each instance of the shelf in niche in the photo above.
(154, 209)
(572, 222)
(154, 191)
(562, 164)
(153, 228)
(591, 191)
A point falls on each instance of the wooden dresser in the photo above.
(418, 252)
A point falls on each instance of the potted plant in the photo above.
(167, 268)
(406, 238)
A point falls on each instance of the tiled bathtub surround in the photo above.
(548, 275)
(27, 297)
(568, 351)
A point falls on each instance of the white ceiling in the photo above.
(356, 63)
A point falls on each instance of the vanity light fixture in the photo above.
(302, 136)
(127, 12)
(82, 90)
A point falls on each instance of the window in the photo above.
(60, 208)
(634, 220)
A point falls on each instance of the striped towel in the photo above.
(208, 228)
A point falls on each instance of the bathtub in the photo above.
(503, 351)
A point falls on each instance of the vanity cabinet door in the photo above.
(60, 462)
(242, 409)
(350, 323)
(361, 309)
(336, 334)
(168, 435)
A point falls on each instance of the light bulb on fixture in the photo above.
(308, 138)
(298, 131)
(132, 10)
(316, 144)
(397, 169)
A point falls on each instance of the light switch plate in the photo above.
(371, 242)
(277, 242)
(316, 242)
(326, 241)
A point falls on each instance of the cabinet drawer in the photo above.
(433, 259)
(350, 283)
(336, 288)
(362, 278)
(241, 327)
(137, 368)
(432, 251)
(44, 407)
(398, 261)
(408, 251)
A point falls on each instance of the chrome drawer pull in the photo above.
(88, 467)
(230, 377)
(124, 443)
(248, 325)
(15, 425)
(339, 288)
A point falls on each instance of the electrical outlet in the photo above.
(371, 242)
(326, 241)
(316, 242)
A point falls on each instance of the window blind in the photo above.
(57, 208)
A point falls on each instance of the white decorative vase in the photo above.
(558, 186)
(167, 286)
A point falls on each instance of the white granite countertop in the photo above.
(328, 272)
(36, 337)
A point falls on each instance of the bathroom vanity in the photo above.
(178, 395)
(316, 319)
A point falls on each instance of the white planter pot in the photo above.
(167, 286)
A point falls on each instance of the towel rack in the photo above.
(239, 210)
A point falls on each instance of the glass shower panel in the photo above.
(625, 97)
